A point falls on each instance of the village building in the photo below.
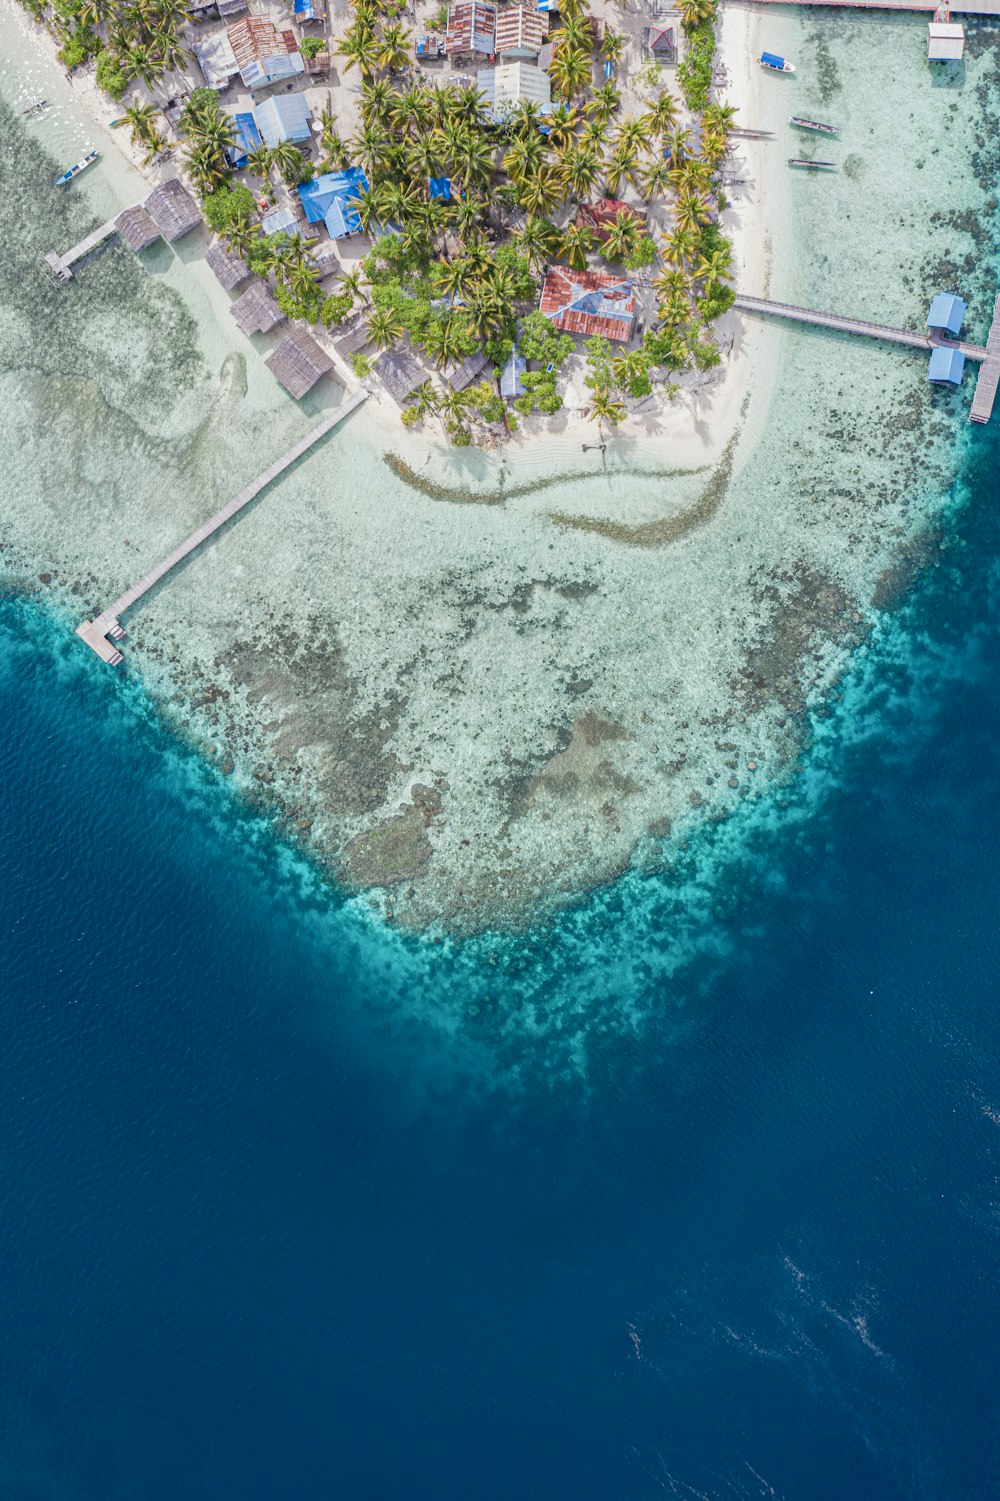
(285, 117)
(659, 43)
(299, 362)
(505, 86)
(247, 140)
(400, 372)
(329, 199)
(173, 210)
(520, 32)
(945, 42)
(471, 29)
(511, 384)
(137, 228)
(214, 10)
(263, 53)
(601, 216)
(216, 59)
(257, 311)
(459, 374)
(230, 268)
(280, 221)
(353, 341)
(593, 303)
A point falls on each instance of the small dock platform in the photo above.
(96, 632)
(61, 265)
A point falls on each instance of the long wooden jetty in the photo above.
(987, 356)
(61, 265)
(957, 7)
(96, 632)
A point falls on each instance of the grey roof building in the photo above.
(353, 341)
(299, 362)
(230, 268)
(400, 371)
(466, 371)
(257, 311)
(173, 210)
(136, 228)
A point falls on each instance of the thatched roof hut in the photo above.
(466, 371)
(173, 210)
(353, 341)
(136, 228)
(257, 311)
(299, 362)
(400, 371)
(229, 267)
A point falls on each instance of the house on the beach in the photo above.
(299, 362)
(247, 140)
(257, 311)
(471, 29)
(137, 228)
(285, 117)
(659, 44)
(280, 221)
(173, 210)
(947, 312)
(505, 86)
(400, 372)
(230, 268)
(263, 53)
(216, 59)
(520, 33)
(593, 303)
(329, 199)
(511, 384)
(600, 217)
(459, 374)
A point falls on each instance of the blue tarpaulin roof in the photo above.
(326, 198)
(440, 187)
(946, 365)
(772, 59)
(284, 118)
(947, 312)
(304, 8)
(247, 140)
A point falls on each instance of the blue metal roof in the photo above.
(282, 221)
(946, 366)
(284, 118)
(511, 384)
(440, 187)
(947, 312)
(247, 140)
(326, 199)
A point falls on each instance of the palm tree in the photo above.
(622, 236)
(452, 278)
(662, 112)
(627, 366)
(352, 282)
(718, 116)
(674, 310)
(604, 408)
(289, 161)
(582, 169)
(612, 46)
(574, 34)
(394, 48)
(679, 247)
(524, 158)
(365, 204)
(677, 146)
(397, 201)
(468, 104)
(633, 134)
(413, 110)
(467, 214)
(377, 99)
(142, 120)
(621, 166)
(385, 326)
(672, 282)
(570, 70)
(155, 142)
(541, 192)
(172, 55)
(605, 101)
(473, 166)
(575, 242)
(562, 123)
(445, 339)
(714, 267)
(538, 239)
(423, 157)
(656, 180)
(525, 118)
(359, 50)
(454, 404)
(259, 163)
(693, 12)
(241, 235)
(206, 167)
(690, 212)
(368, 147)
(143, 62)
(424, 399)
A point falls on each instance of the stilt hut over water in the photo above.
(230, 268)
(257, 311)
(137, 228)
(173, 210)
(299, 362)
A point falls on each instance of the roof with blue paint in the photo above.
(327, 199)
(284, 118)
(304, 8)
(947, 312)
(946, 365)
(247, 140)
(282, 221)
(511, 384)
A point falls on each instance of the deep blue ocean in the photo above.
(249, 1252)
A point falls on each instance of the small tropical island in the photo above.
(465, 202)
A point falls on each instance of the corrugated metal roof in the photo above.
(511, 384)
(284, 118)
(593, 303)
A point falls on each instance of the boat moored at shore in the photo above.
(810, 162)
(775, 64)
(802, 123)
(76, 169)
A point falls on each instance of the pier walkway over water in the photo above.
(60, 265)
(96, 632)
(987, 356)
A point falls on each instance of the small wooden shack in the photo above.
(137, 228)
(257, 311)
(353, 341)
(173, 210)
(400, 372)
(230, 268)
(464, 372)
(299, 362)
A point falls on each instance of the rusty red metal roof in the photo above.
(593, 303)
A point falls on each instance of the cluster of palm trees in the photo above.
(371, 45)
(143, 36)
(142, 119)
(209, 133)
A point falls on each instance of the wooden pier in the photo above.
(61, 265)
(96, 632)
(987, 356)
(957, 7)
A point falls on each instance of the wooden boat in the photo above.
(775, 63)
(76, 169)
(807, 161)
(34, 108)
(804, 124)
(122, 120)
(753, 135)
